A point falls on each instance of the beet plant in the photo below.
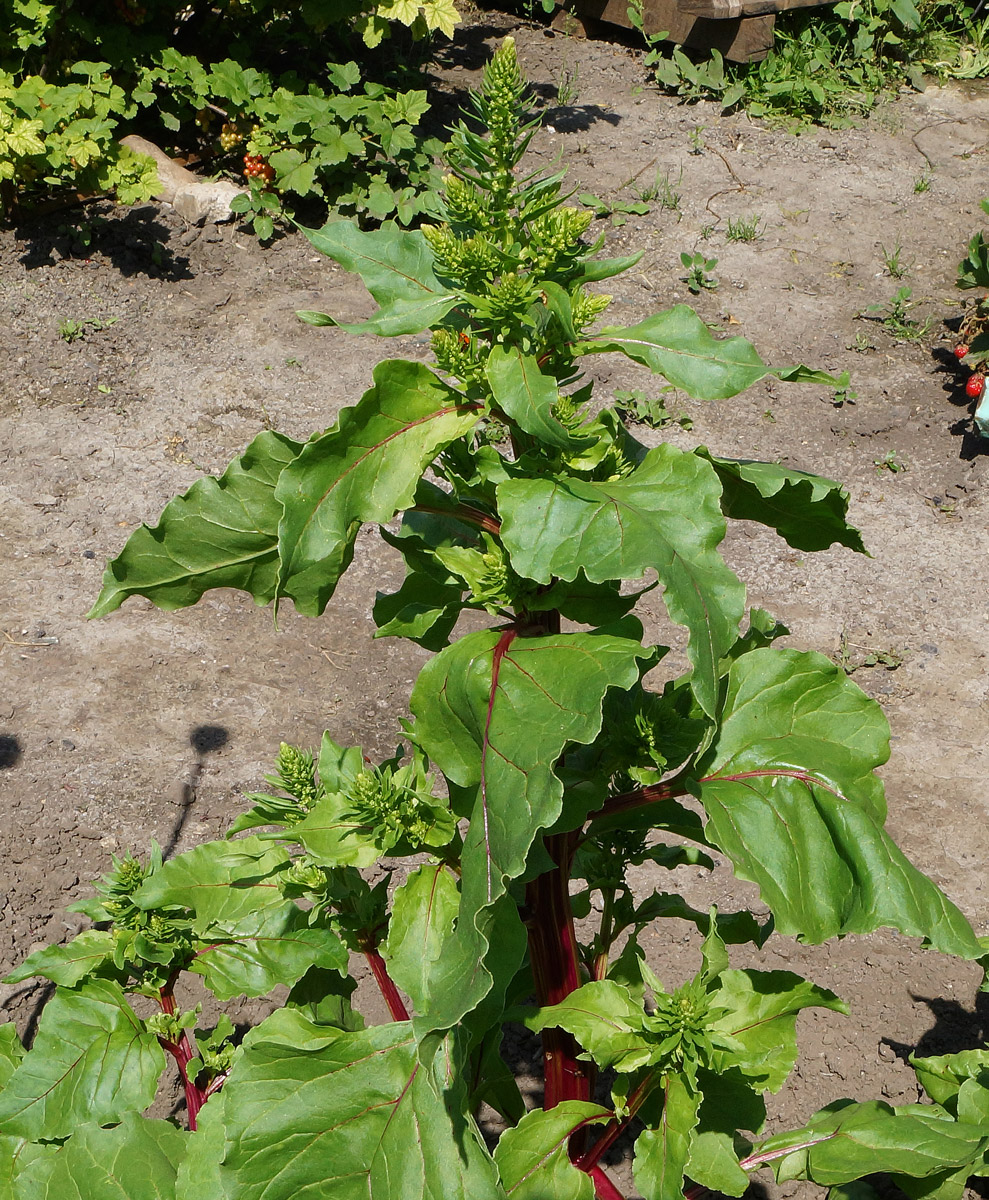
(545, 755)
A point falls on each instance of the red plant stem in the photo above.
(555, 969)
(466, 513)
(603, 1186)
(396, 1005)
(183, 1053)
(616, 1126)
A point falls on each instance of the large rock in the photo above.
(196, 200)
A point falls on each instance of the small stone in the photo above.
(68, 744)
(89, 553)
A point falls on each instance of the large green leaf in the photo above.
(808, 511)
(271, 946)
(66, 965)
(423, 912)
(136, 1160)
(730, 1102)
(364, 469)
(471, 702)
(526, 395)
(92, 1060)
(605, 1021)
(220, 881)
(664, 516)
(791, 798)
(221, 533)
(846, 1141)
(532, 1157)
(312, 1114)
(762, 1018)
(679, 346)
(942, 1075)
(397, 268)
(661, 1153)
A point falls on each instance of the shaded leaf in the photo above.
(221, 533)
(527, 396)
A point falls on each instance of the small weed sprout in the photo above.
(699, 270)
(639, 408)
(894, 316)
(697, 139)
(923, 183)
(743, 229)
(891, 462)
(893, 262)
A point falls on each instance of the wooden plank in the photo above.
(722, 10)
(739, 39)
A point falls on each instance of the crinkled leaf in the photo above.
(92, 1060)
(312, 1116)
(532, 1158)
(791, 798)
(364, 469)
(762, 1019)
(396, 266)
(136, 1160)
(661, 1153)
(942, 1075)
(422, 917)
(807, 511)
(679, 346)
(470, 703)
(846, 1141)
(220, 881)
(664, 516)
(272, 946)
(605, 1021)
(221, 533)
(66, 965)
(526, 395)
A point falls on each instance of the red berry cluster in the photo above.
(256, 168)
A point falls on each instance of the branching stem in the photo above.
(183, 1053)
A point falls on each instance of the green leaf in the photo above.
(527, 396)
(136, 1160)
(846, 1141)
(605, 1021)
(762, 1020)
(664, 516)
(941, 1076)
(807, 511)
(422, 917)
(11, 1051)
(66, 965)
(422, 610)
(594, 270)
(811, 835)
(661, 1153)
(532, 1158)
(92, 1060)
(730, 1101)
(396, 266)
(679, 346)
(315, 1115)
(272, 946)
(470, 702)
(220, 881)
(221, 533)
(364, 469)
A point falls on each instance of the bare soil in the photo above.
(154, 725)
